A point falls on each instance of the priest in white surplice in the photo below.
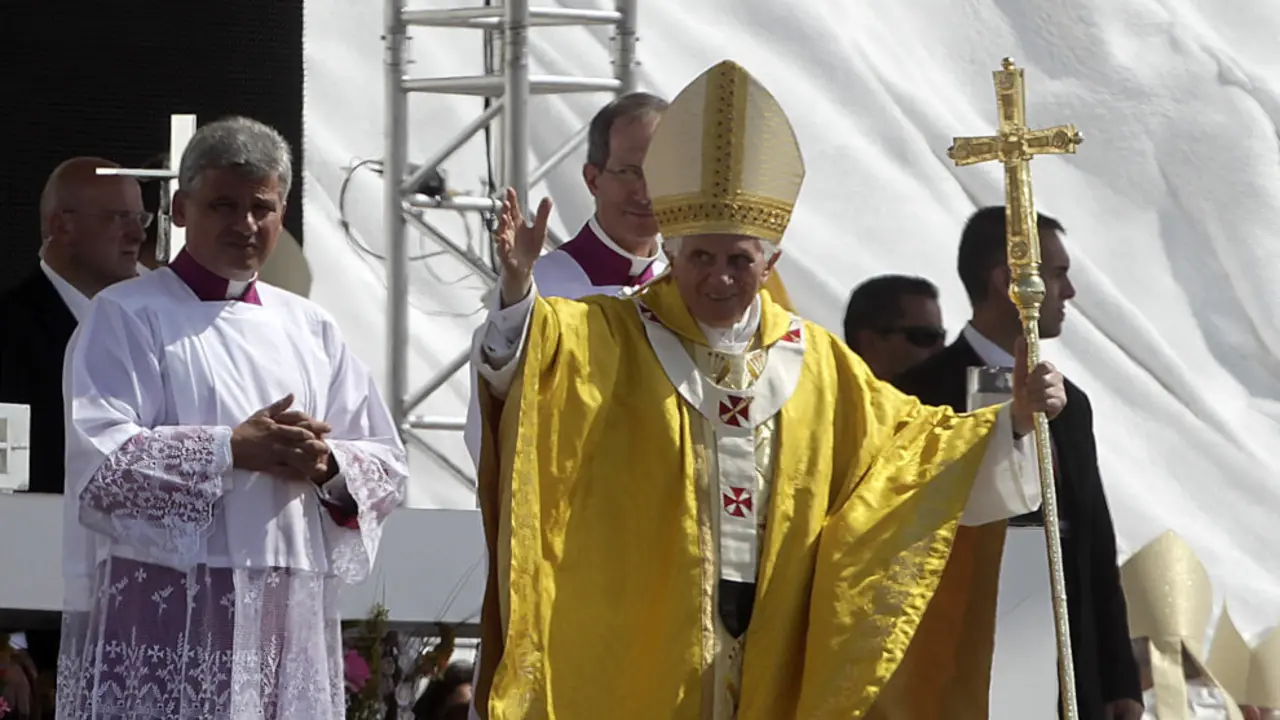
(229, 464)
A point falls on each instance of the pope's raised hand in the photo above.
(519, 246)
(1038, 389)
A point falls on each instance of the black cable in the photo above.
(346, 224)
(488, 220)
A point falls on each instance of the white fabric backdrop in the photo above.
(1171, 207)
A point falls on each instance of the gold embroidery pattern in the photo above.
(707, 542)
(719, 367)
(897, 605)
(726, 86)
(743, 213)
(732, 691)
(748, 169)
(723, 654)
(526, 677)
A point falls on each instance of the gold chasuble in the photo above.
(631, 472)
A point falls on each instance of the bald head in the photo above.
(92, 225)
(66, 182)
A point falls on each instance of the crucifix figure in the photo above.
(1014, 146)
(169, 239)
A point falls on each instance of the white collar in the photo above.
(75, 300)
(993, 355)
(236, 288)
(638, 264)
(737, 338)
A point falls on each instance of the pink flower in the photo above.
(4, 707)
(357, 671)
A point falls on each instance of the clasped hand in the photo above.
(1039, 389)
(283, 442)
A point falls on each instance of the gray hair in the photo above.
(248, 147)
(627, 107)
(671, 246)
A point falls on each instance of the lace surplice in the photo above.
(177, 639)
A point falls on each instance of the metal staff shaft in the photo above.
(1014, 146)
(1049, 506)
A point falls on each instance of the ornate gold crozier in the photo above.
(1014, 146)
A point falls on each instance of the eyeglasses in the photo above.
(121, 217)
(922, 336)
(630, 175)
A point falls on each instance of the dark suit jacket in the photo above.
(1105, 668)
(35, 326)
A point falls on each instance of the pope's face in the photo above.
(719, 276)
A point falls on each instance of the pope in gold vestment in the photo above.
(638, 459)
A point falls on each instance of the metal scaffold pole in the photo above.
(515, 128)
(397, 139)
(508, 24)
(624, 64)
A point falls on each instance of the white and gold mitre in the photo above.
(1170, 600)
(1168, 591)
(724, 159)
(1251, 675)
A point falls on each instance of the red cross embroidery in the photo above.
(733, 410)
(737, 502)
(792, 336)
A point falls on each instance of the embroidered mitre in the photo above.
(724, 159)
(1170, 600)
(1251, 675)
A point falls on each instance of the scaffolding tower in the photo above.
(507, 25)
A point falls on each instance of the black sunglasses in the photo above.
(919, 335)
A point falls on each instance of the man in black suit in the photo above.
(1106, 673)
(894, 322)
(92, 228)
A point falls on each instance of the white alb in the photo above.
(194, 589)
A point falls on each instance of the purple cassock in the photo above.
(593, 264)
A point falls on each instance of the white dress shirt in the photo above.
(75, 300)
(992, 354)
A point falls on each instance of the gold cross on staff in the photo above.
(1015, 145)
